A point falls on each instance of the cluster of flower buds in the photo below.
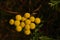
(26, 22)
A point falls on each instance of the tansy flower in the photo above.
(37, 20)
(27, 15)
(11, 22)
(18, 28)
(27, 26)
(22, 24)
(23, 19)
(18, 17)
(17, 23)
(27, 21)
(27, 32)
(32, 18)
(32, 26)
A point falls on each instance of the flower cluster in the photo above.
(26, 22)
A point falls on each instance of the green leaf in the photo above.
(39, 26)
(45, 38)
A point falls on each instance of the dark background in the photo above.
(9, 8)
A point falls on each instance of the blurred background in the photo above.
(49, 10)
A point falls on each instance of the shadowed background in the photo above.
(9, 8)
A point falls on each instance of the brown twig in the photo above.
(9, 11)
(37, 9)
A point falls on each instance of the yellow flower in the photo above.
(22, 24)
(27, 26)
(17, 23)
(27, 32)
(11, 22)
(18, 28)
(32, 26)
(18, 17)
(27, 15)
(32, 18)
(23, 19)
(27, 21)
(37, 20)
